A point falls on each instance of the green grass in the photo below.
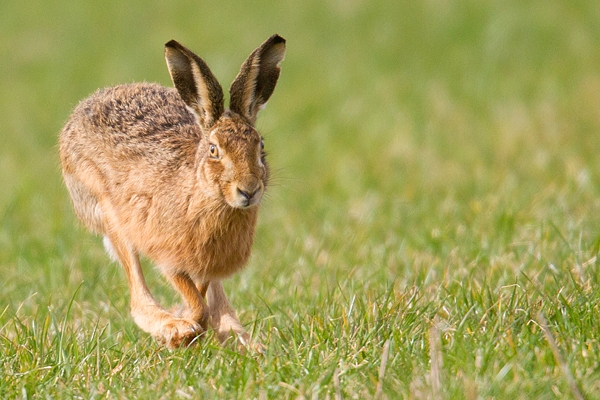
(437, 187)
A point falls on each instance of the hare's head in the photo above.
(232, 152)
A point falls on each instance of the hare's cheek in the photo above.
(217, 168)
(227, 170)
(212, 180)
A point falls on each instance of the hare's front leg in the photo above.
(223, 318)
(146, 312)
(197, 309)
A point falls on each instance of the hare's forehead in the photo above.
(235, 136)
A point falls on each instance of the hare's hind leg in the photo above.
(85, 203)
(88, 209)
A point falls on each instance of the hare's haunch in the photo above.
(173, 175)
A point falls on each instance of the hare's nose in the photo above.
(248, 195)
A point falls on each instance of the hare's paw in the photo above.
(230, 331)
(178, 332)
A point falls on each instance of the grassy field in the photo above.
(432, 231)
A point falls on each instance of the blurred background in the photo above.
(412, 143)
(389, 117)
(398, 131)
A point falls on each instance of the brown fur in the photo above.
(138, 162)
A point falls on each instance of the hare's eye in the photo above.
(262, 145)
(214, 151)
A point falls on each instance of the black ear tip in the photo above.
(276, 39)
(172, 44)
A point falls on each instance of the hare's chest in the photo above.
(229, 254)
(222, 252)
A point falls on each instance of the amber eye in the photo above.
(214, 151)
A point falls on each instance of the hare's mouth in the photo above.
(245, 198)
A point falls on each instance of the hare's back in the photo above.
(132, 121)
(129, 112)
(135, 109)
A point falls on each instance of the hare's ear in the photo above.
(196, 85)
(257, 78)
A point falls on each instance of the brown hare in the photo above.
(172, 175)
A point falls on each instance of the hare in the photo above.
(171, 175)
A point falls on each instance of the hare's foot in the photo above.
(224, 321)
(167, 329)
(228, 328)
(178, 332)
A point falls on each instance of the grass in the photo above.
(436, 199)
